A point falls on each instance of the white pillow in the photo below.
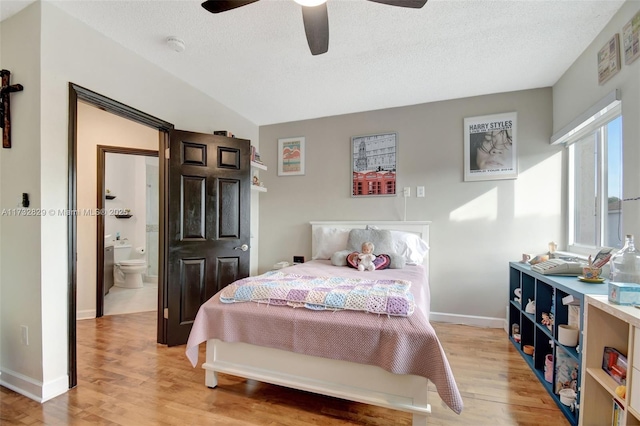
(329, 241)
(410, 246)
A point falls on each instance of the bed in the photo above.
(377, 359)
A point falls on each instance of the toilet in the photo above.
(127, 272)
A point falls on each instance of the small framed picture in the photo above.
(490, 147)
(373, 165)
(631, 39)
(609, 59)
(291, 156)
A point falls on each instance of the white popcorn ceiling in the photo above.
(256, 61)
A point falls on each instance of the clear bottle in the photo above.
(625, 264)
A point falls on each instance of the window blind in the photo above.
(601, 112)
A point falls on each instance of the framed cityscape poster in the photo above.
(373, 165)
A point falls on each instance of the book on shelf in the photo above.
(223, 133)
(255, 155)
(573, 313)
(615, 364)
(567, 371)
(616, 415)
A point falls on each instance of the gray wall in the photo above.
(478, 227)
(578, 89)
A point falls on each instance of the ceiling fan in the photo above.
(314, 16)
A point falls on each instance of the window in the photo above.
(595, 183)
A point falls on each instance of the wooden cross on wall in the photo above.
(5, 106)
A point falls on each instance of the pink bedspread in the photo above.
(401, 345)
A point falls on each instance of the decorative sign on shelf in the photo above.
(609, 59)
(224, 133)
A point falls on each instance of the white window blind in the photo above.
(601, 112)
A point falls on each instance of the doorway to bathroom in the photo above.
(128, 282)
(223, 222)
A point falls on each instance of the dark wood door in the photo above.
(208, 223)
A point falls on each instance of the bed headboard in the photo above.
(420, 228)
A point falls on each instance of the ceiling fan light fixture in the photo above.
(314, 16)
(310, 3)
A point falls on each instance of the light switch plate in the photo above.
(407, 191)
(420, 191)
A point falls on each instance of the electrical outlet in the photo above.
(407, 191)
(420, 191)
(25, 334)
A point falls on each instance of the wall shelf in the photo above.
(258, 165)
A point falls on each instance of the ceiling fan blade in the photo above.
(414, 4)
(316, 26)
(217, 6)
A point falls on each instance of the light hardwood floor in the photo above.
(125, 378)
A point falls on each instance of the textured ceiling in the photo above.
(256, 61)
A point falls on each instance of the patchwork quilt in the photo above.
(390, 297)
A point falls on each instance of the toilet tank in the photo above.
(121, 252)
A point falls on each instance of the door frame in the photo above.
(79, 93)
(103, 150)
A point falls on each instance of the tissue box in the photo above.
(624, 294)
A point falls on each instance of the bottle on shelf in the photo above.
(625, 264)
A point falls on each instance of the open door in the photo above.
(208, 224)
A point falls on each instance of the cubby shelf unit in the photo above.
(548, 293)
(616, 326)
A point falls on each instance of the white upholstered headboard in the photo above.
(420, 228)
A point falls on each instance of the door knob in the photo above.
(243, 247)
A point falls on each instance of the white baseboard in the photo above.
(486, 322)
(34, 389)
(87, 314)
(54, 388)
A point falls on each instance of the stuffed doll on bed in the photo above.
(366, 257)
(358, 240)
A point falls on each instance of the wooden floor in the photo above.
(125, 378)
